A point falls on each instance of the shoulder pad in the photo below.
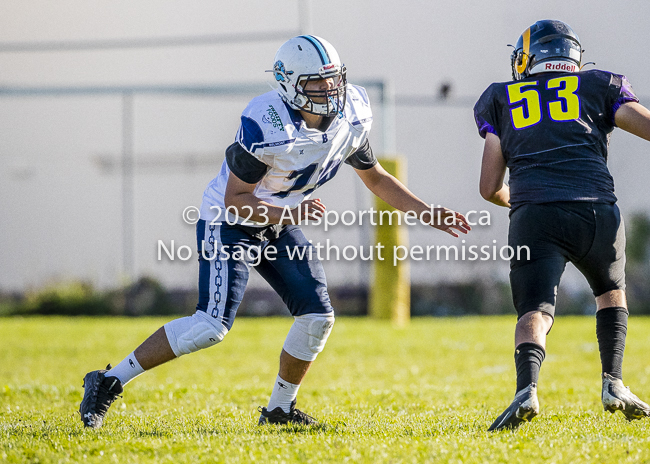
(599, 75)
(358, 110)
(494, 89)
(494, 94)
(485, 109)
(265, 123)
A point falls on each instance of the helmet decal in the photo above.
(279, 71)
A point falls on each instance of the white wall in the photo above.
(60, 212)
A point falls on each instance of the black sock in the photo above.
(611, 329)
(528, 359)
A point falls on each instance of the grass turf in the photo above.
(426, 393)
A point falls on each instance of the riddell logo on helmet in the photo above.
(560, 67)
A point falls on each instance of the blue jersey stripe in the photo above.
(361, 121)
(255, 146)
(324, 57)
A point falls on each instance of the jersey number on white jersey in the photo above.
(303, 176)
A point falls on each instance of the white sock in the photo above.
(283, 394)
(126, 370)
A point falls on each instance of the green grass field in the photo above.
(426, 393)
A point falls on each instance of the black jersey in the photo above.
(554, 130)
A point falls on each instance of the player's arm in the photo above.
(493, 170)
(246, 172)
(634, 118)
(239, 194)
(393, 192)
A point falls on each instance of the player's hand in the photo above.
(310, 209)
(448, 221)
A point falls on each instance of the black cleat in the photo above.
(523, 408)
(618, 397)
(99, 394)
(278, 416)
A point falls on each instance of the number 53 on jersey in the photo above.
(528, 109)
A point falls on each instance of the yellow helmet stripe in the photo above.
(524, 59)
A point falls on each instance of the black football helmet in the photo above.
(547, 45)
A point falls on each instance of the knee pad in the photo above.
(193, 333)
(308, 335)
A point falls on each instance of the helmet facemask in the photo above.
(328, 102)
(321, 102)
(517, 63)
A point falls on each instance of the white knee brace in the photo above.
(193, 333)
(308, 335)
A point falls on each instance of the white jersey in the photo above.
(299, 159)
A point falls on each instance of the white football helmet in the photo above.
(306, 58)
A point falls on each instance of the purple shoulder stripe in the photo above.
(486, 127)
(626, 96)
